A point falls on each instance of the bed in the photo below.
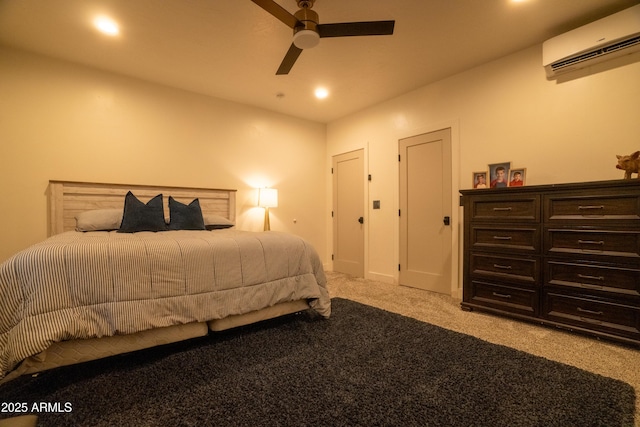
(90, 291)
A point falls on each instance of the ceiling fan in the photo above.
(307, 31)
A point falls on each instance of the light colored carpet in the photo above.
(601, 357)
(21, 421)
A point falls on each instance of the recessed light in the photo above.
(321, 93)
(106, 26)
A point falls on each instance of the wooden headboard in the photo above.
(68, 198)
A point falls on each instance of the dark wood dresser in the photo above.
(566, 255)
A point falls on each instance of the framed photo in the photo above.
(480, 179)
(499, 174)
(517, 177)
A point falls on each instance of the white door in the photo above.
(425, 211)
(348, 213)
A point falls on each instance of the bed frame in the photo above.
(66, 199)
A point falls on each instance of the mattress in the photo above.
(104, 284)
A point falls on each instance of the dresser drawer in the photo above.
(594, 278)
(525, 239)
(593, 242)
(505, 298)
(607, 317)
(519, 208)
(523, 270)
(584, 207)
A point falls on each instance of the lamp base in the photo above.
(267, 226)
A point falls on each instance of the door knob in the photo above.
(361, 220)
(446, 220)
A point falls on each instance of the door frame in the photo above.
(456, 210)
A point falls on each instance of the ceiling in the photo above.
(231, 49)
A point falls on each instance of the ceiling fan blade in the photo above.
(346, 29)
(289, 59)
(278, 11)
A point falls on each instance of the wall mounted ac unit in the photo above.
(602, 40)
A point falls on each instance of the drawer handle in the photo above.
(591, 242)
(588, 320)
(590, 207)
(495, 294)
(582, 310)
(584, 276)
(502, 267)
(502, 209)
(502, 237)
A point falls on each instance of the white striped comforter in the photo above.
(95, 284)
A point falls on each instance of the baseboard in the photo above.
(378, 277)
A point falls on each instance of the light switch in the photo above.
(376, 204)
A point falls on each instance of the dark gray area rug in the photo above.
(362, 367)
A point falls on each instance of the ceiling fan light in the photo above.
(306, 39)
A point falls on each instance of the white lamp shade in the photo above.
(268, 198)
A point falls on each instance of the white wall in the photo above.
(67, 122)
(505, 110)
